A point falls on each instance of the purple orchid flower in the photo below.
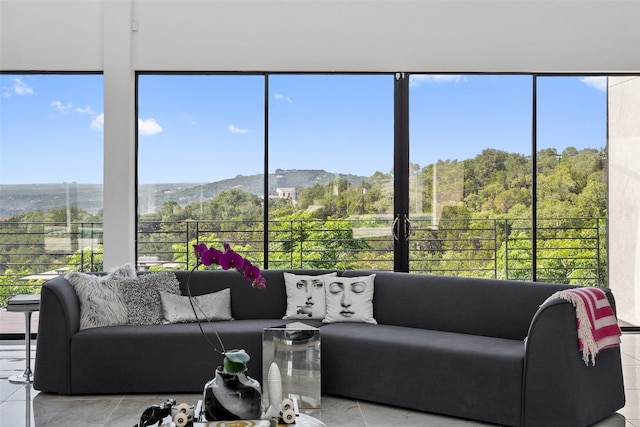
(259, 283)
(199, 250)
(251, 272)
(211, 256)
(230, 259)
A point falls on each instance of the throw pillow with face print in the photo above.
(349, 299)
(305, 296)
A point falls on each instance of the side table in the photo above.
(295, 348)
(26, 304)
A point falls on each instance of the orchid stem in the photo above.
(193, 307)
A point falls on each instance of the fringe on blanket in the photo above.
(596, 322)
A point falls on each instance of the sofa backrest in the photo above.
(246, 302)
(489, 307)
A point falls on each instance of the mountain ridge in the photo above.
(20, 198)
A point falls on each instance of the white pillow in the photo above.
(305, 295)
(212, 306)
(101, 301)
(349, 299)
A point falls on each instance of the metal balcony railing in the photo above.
(568, 250)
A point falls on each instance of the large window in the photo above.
(322, 192)
(571, 172)
(330, 171)
(481, 175)
(470, 175)
(200, 165)
(51, 163)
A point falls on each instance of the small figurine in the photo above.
(156, 413)
(183, 415)
(274, 387)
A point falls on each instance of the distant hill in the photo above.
(20, 198)
(153, 196)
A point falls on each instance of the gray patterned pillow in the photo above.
(101, 302)
(142, 296)
(213, 306)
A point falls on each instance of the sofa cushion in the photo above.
(458, 304)
(213, 306)
(101, 301)
(142, 296)
(349, 299)
(170, 358)
(305, 295)
(467, 376)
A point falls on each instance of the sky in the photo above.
(204, 128)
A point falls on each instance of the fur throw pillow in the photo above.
(101, 302)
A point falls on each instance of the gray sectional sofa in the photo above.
(446, 345)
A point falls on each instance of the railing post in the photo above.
(186, 246)
(597, 252)
(93, 255)
(495, 249)
(291, 246)
(81, 252)
(506, 250)
(301, 240)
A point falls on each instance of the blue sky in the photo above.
(210, 127)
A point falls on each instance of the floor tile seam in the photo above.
(633, 354)
(8, 398)
(364, 420)
(20, 351)
(113, 411)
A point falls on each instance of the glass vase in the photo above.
(229, 397)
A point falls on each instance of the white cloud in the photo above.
(234, 129)
(60, 106)
(280, 97)
(148, 127)
(98, 122)
(21, 88)
(85, 110)
(418, 79)
(598, 83)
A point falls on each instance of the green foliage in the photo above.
(480, 224)
(87, 259)
(307, 242)
(11, 285)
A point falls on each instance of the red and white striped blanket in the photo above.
(596, 322)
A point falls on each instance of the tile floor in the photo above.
(21, 405)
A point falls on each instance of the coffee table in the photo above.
(301, 421)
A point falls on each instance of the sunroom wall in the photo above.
(124, 36)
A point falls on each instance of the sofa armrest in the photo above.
(559, 389)
(59, 321)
